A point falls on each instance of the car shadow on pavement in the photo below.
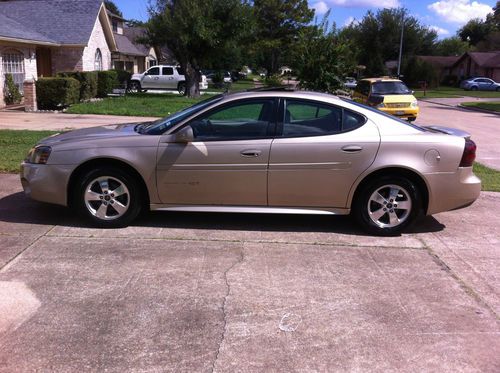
(17, 208)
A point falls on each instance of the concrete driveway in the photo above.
(210, 292)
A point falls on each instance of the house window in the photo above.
(13, 63)
(115, 26)
(98, 60)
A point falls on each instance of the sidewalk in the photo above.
(18, 120)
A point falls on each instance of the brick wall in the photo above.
(97, 40)
(67, 59)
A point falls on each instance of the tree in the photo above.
(198, 32)
(377, 36)
(278, 24)
(113, 8)
(475, 31)
(322, 59)
(453, 46)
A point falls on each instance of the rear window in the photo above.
(390, 88)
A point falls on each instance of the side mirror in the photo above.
(184, 135)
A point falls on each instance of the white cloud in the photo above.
(365, 3)
(320, 7)
(439, 30)
(349, 21)
(459, 11)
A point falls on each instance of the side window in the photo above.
(167, 71)
(352, 120)
(303, 118)
(153, 71)
(250, 119)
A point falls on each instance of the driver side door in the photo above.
(226, 163)
(151, 78)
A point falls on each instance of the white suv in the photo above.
(162, 77)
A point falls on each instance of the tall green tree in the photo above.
(321, 58)
(198, 32)
(377, 37)
(452, 46)
(277, 26)
(475, 31)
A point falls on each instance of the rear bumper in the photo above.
(451, 191)
(203, 85)
(45, 183)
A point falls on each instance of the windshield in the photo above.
(164, 124)
(383, 114)
(390, 88)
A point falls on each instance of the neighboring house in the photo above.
(43, 37)
(471, 64)
(130, 55)
(442, 65)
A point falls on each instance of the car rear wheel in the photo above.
(108, 198)
(181, 88)
(387, 205)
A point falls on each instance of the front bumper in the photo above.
(45, 182)
(405, 112)
(451, 191)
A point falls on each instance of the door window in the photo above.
(244, 120)
(307, 118)
(167, 71)
(153, 71)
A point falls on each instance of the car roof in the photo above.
(381, 79)
(281, 92)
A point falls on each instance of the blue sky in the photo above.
(445, 16)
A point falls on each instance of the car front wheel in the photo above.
(108, 198)
(134, 87)
(388, 205)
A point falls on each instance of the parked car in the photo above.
(226, 76)
(480, 84)
(162, 77)
(350, 83)
(291, 152)
(389, 95)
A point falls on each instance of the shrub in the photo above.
(218, 79)
(12, 94)
(274, 80)
(106, 81)
(57, 93)
(416, 71)
(123, 77)
(450, 80)
(88, 82)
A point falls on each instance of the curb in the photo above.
(471, 108)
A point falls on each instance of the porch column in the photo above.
(30, 95)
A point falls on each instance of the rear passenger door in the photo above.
(319, 152)
(167, 80)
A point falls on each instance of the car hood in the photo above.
(136, 76)
(92, 133)
(389, 99)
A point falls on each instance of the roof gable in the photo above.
(64, 21)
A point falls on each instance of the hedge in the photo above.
(88, 82)
(123, 77)
(106, 81)
(57, 93)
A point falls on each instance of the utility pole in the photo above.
(401, 43)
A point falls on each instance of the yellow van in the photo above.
(388, 95)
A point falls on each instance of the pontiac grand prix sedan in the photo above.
(259, 152)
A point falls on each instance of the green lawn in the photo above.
(15, 144)
(138, 104)
(491, 105)
(443, 92)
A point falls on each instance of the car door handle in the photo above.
(250, 153)
(352, 148)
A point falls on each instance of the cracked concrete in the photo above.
(224, 293)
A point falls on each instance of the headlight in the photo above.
(39, 154)
(414, 103)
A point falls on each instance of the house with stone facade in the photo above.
(43, 37)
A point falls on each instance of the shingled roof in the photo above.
(59, 21)
(441, 61)
(125, 46)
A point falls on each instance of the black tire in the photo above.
(181, 88)
(134, 86)
(473, 88)
(498, 89)
(383, 226)
(100, 201)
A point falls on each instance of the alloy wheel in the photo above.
(389, 206)
(107, 198)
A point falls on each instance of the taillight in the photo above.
(469, 154)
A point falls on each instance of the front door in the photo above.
(43, 62)
(227, 162)
(151, 78)
(321, 152)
